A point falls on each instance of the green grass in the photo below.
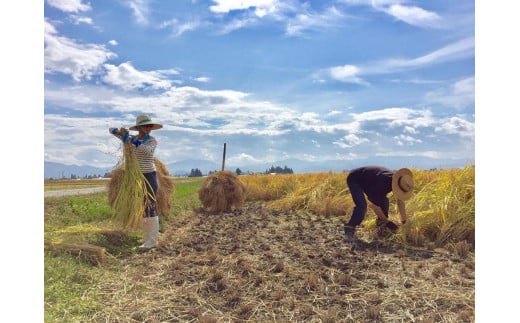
(72, 286)
(186, 197)
(71, 289)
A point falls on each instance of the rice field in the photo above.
(279, 257)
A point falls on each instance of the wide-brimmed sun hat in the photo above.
(144, 120)
(402, 184)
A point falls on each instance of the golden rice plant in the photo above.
(130, 199)
(268, 187)
(442, 210)
(222, 191)
(320, 193)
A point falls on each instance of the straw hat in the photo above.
(402, 184)
(143, 120)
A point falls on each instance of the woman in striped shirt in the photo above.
(144, 148)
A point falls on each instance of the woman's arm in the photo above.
(402, 211)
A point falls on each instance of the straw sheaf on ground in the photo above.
(222, 191)
(261, 265)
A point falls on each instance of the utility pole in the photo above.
(224, 157)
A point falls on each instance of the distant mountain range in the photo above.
(183, 168)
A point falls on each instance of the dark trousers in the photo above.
(151, 178)
(360, 203)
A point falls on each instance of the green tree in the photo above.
(195, 173)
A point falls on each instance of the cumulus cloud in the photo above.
(346, 73)
(64, 55)
(71, 6)
(196, 119)
(350, 141)
(127, 77)
(402, 140)
(457, 126)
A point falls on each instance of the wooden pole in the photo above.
(224, 157)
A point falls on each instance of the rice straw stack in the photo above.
(166, 188)
(222, 191)
(129, 202)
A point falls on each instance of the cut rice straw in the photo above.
(133, 196)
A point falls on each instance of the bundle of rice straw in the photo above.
(129, 201)
(92, 254)
(164, 199)
(163, 202)
(222, 191)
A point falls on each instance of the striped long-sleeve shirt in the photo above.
(144, 153)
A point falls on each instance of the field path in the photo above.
(78, 191)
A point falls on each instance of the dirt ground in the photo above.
(260, 265)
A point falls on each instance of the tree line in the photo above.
(195, 172)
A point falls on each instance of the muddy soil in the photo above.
(260, 265)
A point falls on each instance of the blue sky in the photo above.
(345, 80)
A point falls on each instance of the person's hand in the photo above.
(136, 142)
(113, 131)
(124, 136)
(403, 221)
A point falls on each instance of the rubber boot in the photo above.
(151, 232)
(349, 233)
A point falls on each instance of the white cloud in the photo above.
(459, 95)
(81, 20)
(236, 24)
(413, 15)
(404, 140)
(464, 48)
(64, 55)
(262, 7)
(140, 10)
(312, 21)
(352, 73)
(202, 79)
(457, 126)
(385, 114)
(243, 158)
(346, 73)
(179, 28)
(350, 141)
(127, 77)
(69, 5)
(334, 113)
